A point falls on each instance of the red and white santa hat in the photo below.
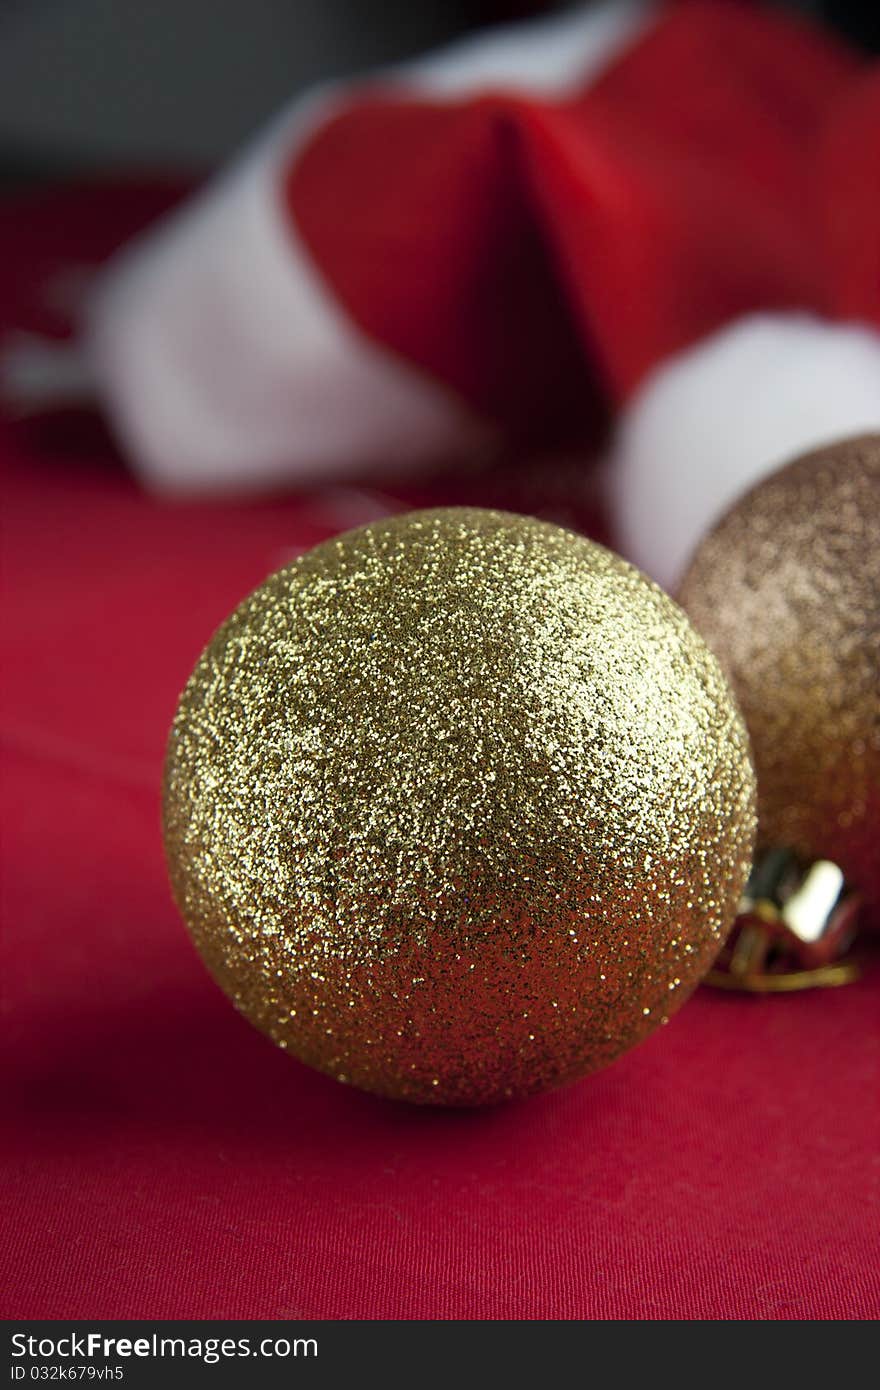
(665, 212)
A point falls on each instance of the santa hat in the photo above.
(547, 227)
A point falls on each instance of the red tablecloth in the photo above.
(163, 1159)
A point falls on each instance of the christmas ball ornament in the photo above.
(786, 590)
(458, 806)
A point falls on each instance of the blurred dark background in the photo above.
(100, 85)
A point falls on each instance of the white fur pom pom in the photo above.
(707, 424)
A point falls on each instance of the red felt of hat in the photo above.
(541, 256)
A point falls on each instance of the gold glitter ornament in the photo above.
(458, 806)
(786, 590)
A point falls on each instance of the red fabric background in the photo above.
(163, 1159)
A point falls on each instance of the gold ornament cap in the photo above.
(795, 926)
(458, 806)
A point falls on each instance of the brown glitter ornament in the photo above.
(786, 590)
(458, 806)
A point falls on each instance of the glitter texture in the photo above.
(458, 806)
(786, 590)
